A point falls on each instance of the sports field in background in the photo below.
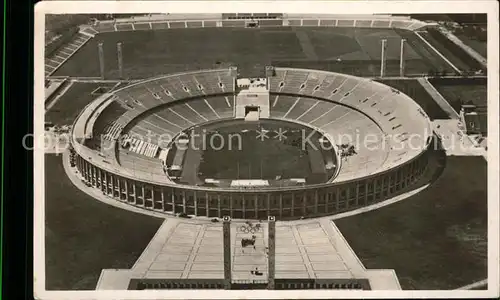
(65, 110)
(462, 91)
(150, 53)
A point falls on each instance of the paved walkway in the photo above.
(466, 48)
(440, 100)
(455, 141)
(182, 249)
(480, 284)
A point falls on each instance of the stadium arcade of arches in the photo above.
(285, 204)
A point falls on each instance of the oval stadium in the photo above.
(264, 151)
(365, 142)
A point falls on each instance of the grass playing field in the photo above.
(67, 108)
(462, 91)
(149, 53)
(241, 151)
(84, 236)
(435, 239)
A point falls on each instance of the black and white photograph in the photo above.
(299, 150)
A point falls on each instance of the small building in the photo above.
(475, 119)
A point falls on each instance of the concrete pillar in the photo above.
(357, 194)
(127, 196)
(271, 262)
(226, 234)
(112, 181)
(184, 206)
(119, 187)
(106, 182)
(304, 204)
(153, 197)
(366, 193)
(90, 174)
(87, 173)
(337, 200)
(231, 214)
(402, 59)
(316, 202)
(383, 57)
(172, 198)
(256, 206)
(134, 193)
(243, 210)
(219, 212)
(81, 167)
(195, 204)
(268, 204)
(163, 200)
(347, 196)
(292, 213)
(99, 182)
(143, 196)
(119, 54)
(101, 59)
(281, 206)
(109, 183)
(207, 205)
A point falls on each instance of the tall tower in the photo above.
(226, 237)
(383, 58)
(271, 261)
(402, 58)
(120, 59)
(101, 59)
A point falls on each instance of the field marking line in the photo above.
(474, 285)
(195, 111)
(292, 107)
(58, 96)
(452, 37)
(438, 98)
(212, 108)
(437, 52)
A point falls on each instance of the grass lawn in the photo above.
(245, 156)
(84, 236)
(435, 239)
(461, 91)
(454, 59)
(67, 108)
(150, 53)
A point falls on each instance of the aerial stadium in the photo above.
(247, 155)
